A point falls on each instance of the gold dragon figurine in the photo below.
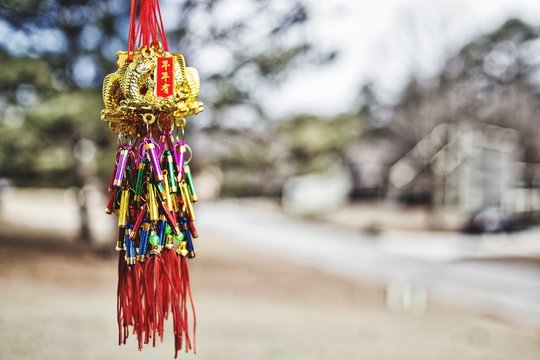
(130, 96)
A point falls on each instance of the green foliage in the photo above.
(273, 63)
(314, 143)
(40, 150)
(39, 135)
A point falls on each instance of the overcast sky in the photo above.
(381, 41)
(384, 41)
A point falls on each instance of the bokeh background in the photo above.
(369, 175)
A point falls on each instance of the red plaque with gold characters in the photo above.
(165, 77)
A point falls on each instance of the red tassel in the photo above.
(174, 299)
(130, 308)
(176, 290)
(123, 309)
(137, 303)
(186, 285)
(154, 273)
(169, 259)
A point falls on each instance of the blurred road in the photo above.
(507, 289)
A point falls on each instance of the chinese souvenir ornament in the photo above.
(151, 188)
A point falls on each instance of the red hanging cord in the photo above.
(132, 27)
(145, 26)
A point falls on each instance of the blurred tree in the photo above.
(251, 45)
(493, 79)
(300, 145)
(55, 53)
(74, 43)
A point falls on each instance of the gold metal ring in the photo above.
(148, 118)
(155, 45)
(190, 153)
(147, 52)
(180, 122)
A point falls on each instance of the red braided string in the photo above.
(188, 287)
(132, 26)
(158, 283)
(165, 285)
(147, 28)
(138, 304)
(161, 27)
(121, 299)
(148, 299)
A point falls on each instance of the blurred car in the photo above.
(491, 220)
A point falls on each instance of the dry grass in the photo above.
(59, 303)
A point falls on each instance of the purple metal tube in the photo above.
(121, 166)
(151, 151)
(174, 151)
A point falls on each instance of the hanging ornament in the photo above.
(151, 189)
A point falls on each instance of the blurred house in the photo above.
(466, 165)
(370, 159)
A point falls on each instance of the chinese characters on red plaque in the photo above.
(165, 77)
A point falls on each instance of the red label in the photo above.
(165, 77)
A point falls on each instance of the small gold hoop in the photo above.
(180, 122)
(148, 118)
(155, 45)
(190, 153)
(147, 52)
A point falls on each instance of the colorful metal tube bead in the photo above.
(161, 143)
(190, 182)
(151, 152)
(180, 158)
(166, 195)
(193, 229)
(151, 200)
(120, 239)
(186, 199)
(138, 221)
(121, 166)
(170, 172)
(189, 244)
(170, 218)
(144, 234)
(184, 221)
(170, 143)
(124, 207)
(160, 190)
(174, 201)
(162, 223)
(130, 247)
(140, 178)
(113, 174)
